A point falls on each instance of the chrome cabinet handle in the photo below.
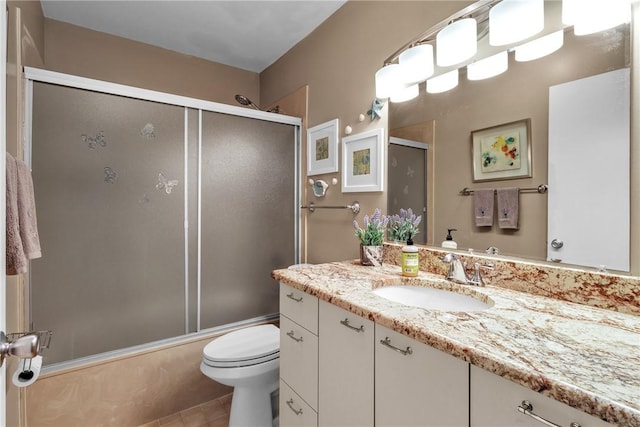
(387, 342)
(291, 335)
(527, 408)
(295, 411)
(294, 298)
(345, 322)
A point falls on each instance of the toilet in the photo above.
(247, 360)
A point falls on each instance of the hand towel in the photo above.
(508, 201)
(16, 260)
(27, 212)
(483, 206)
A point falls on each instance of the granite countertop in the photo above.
(585, 357)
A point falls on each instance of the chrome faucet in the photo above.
(456, 268)
(458, 274)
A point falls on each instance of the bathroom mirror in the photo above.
(522, 92)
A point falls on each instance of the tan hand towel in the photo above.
(27, 212)
(483, 206)
(16, 260)
(508, 205)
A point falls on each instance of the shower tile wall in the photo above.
(124, 392)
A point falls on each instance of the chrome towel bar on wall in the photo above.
(542, 189)
(355, 207)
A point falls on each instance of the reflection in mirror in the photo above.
(520, 93)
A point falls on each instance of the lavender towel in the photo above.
(483, 206)
(22, 243)
(508, 201)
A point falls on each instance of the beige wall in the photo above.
(338, 62)
(82, 52)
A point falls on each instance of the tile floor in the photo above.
(211, 414)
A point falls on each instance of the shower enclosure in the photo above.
(159, 216)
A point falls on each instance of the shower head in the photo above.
(243, 100)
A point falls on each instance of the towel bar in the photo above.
(542, 189)
(355, 207)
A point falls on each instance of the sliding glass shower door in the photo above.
(155, 220)
(247, 188)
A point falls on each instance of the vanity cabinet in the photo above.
(495, 401)
(417, 385)
(345, 370)
(298, 358)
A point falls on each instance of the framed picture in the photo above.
(502, 152)
(322, 148)
(363, 162)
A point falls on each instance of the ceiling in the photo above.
(246, 34)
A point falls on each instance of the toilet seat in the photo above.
(244, 347)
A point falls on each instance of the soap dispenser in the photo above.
(449, 242)
(410, 259)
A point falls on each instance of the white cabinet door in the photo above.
(589, 171)
(417, 385)
(495, 401)
(345, 373)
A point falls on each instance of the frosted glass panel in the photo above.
(407, 183)
(248, 178)
(109, 183)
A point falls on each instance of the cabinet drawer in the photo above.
(300, 307)
(495, 401)
(299, 360)
(294, 412)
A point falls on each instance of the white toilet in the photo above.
(247, 360)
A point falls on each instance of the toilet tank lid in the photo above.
(244, 344)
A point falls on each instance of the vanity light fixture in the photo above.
(511, 25)
(443, 82)
(488, 67)
(538, 48)
(592, 16)
(416, 63)
(405, 94)
(511, 21)
(457, 42)
(388, 81)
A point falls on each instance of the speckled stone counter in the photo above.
(583, 356)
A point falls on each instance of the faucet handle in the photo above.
(477, 279)
(449, 257)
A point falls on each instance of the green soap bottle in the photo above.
(410, 259)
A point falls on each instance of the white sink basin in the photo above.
(430, 298)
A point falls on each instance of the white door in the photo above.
(3, 147)
(589, 171)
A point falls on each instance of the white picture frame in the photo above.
(322, 148)
(363, 162)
